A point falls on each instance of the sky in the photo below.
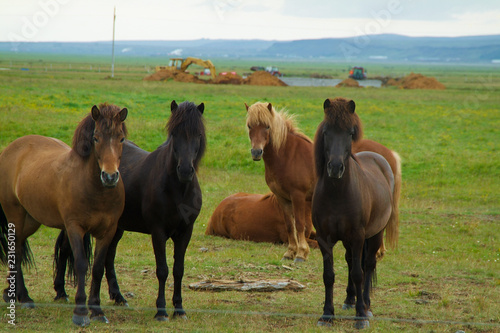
(92, 20)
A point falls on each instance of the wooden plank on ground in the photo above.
(247, 285)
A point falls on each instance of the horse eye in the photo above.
(249, 127)
(122, 140)
(268, 127)
(95, 139)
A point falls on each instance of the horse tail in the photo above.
(63, 248)
(7, 235)
(392, 230)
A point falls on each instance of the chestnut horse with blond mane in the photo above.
(288, 158)
(253, 217)
(77, 189)
(289, 172)
(353, 203)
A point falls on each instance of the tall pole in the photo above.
(113, 47)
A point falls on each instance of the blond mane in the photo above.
(280, 123)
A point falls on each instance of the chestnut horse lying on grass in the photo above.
(254, 217)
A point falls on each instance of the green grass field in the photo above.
(445, 275)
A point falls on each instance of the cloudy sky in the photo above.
(92, 20)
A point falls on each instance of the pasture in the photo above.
(444, 277)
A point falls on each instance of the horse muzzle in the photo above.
(186, 174)
(256, 154)
(335, 170)
(110, 180)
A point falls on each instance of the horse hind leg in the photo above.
(372, 246)
(22, 256)
(289, 219)
(80, 313)
(350, 300)
(114, 289)
(62, 253)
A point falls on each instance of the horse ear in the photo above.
(201, 108)
(123, 114)
(270, 108)
(173, 106)
(95, 113)
(327, 103)
(246, 105)
(351, 105)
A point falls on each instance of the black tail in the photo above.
(62, 249)
(7, 243)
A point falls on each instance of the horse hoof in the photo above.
(101, 319)
(348, 306)
(162, 318)
(299, 260)
(286, 258)
(28, 305)
(362, 324)
(122, 303)
(323, 323)
(369, 314)
(80, 320)
(181, 316)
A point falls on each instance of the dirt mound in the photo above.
(260, 78)
(416, 81)
(263, 78)
(178, 76)
(228, 78)
(349, 83)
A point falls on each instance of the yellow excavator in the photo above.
(182, 64)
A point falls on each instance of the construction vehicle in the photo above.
(182, 64)
(357, 73)
(273, 70)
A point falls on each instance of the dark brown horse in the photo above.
(253, 217)
(288, 159)
(76, 189)
(353, 203)
(163, 199)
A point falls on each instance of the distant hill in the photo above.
(370, 47)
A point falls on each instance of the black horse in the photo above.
(162, 198)
(353, 203)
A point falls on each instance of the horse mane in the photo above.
(83, 137)
(188, 120)
(280, 123)
(339, 113)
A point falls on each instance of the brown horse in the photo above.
(353, 202)
(253, 217)
(289, 172)
(77, 189)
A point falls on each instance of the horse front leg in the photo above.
(114, 289)
(159, 239)
(80, 313)
(286, 206)
(180, 245)
(326, 248)
(101, 250)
